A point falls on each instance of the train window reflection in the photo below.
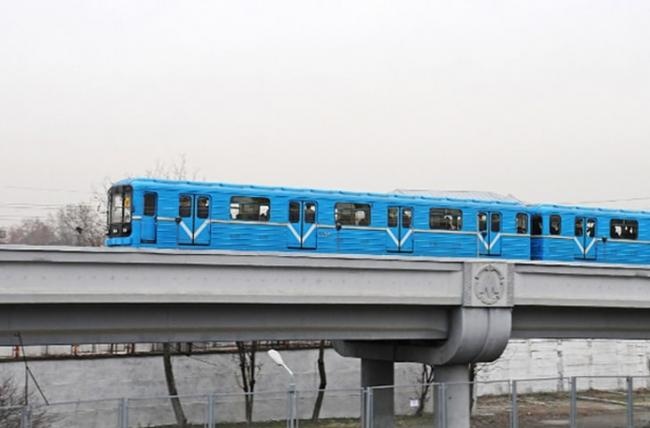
(445, 219)
(555, 225)
(522, 223)
(244, 208)
(352, 214)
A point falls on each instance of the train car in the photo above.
(194, 215)
(566, 233)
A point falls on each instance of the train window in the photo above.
(393, 214)
(245, 208)
(352, 214)
(310, 212)
(203, 207)
(127, 207)
(623, 229)
(521, 223)
(150, 204)
(555, 224)
(591, 227)
(482, 223)
(579, 227)
(496, 222)
(536, 225)
(184, 206)
(407, 217)
(445, 219)
(116, 207)
(294, 212)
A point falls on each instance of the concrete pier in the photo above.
(380, 407)
(456, 396)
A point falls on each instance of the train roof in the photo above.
(586, 209)
(416, 195)
(472, 197)
(462, 195)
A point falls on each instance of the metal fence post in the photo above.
(573, 413)
(124, 413)
(211, 411)
(362, 407)
(442, 406)
(291, 416)
(368, 408)
(630, 402)
(26, 417)
(296, 416)
(514, 418)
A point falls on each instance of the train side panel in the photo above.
(200, 216)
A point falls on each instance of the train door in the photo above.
(585, 238)
(194, 226)
(302, 225)
(400, 229)
(149, 221)
(489, 233)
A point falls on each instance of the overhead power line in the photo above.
(37, 206)
(46, 189)
(607, 201)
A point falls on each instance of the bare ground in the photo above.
(595, 409)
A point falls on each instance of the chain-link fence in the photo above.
(585, 401)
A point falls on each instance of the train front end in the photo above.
(120, 215)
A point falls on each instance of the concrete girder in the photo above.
(530, 322)
(48, 324)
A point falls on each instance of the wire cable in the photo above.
(28, 370)
(605, 201)
(44, 189)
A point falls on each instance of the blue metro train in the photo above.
(182, 214)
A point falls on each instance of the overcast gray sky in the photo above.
(546, 100)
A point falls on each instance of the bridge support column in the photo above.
(478, 331)
(456, 396)
(380, 407)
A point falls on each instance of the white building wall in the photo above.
(138, 377)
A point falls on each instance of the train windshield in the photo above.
(119, 211)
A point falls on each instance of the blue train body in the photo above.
(181, 214)
(590, 234)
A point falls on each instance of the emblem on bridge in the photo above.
(487, 285)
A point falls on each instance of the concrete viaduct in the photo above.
(447, 313)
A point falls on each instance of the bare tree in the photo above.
(78, 224)
(31, 231)
(177, 170)
(474, 369)
(12, 401)
(424, 382)
(74, 224)
(323, 382)
(246, 352)
(181, 420)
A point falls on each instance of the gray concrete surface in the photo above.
(378, 308)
